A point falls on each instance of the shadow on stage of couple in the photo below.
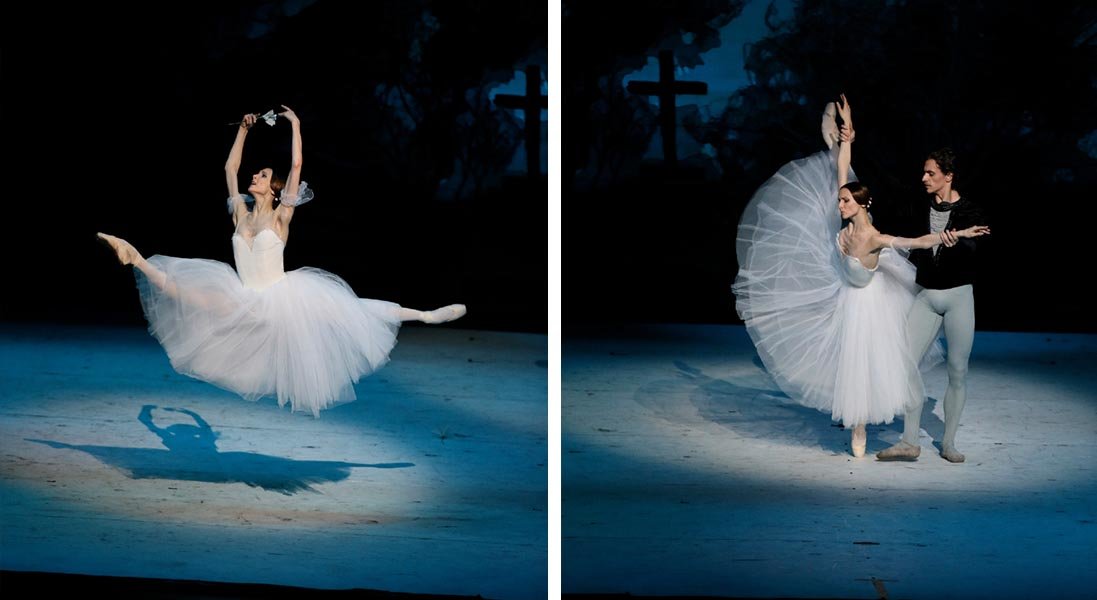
(752, 406)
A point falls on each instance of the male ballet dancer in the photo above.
(946, 273)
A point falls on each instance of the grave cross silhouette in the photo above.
(667, 89)
(531, 103)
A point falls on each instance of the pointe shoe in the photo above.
(126, 253)
(858, 441)
(830, 125)
(900, 451)
(444, 314)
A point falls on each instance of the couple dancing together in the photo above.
(303, 337)
(844, 316)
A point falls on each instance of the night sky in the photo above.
(422, 192)
(1010, 86)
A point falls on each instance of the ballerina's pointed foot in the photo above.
(830, 125)
(859, 440)
(127, 254)
(444, 314)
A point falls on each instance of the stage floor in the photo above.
(432, 482)
(686, 472)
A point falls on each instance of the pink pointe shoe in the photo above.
(444, 314)
(126, 253)
(858, 441)
(829, 126)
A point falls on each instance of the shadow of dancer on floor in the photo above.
(192, 455)
(751, 405)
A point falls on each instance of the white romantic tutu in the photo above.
(827, 343)
(303, 336)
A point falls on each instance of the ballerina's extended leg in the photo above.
(438, 315)
(829, 126)
(128, 255)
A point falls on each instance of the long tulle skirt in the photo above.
(826, 343)
(304, 340)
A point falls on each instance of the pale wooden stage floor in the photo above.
(432, 482)
(686, 472)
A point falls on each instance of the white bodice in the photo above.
(259, 265)
(857, 274)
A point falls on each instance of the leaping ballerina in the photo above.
(303, 337)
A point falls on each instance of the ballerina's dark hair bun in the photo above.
(859, 192)
(277, 184)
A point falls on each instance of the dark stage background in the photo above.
(1010, 85)
(116, 120)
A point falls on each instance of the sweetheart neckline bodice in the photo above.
(251, 244)
(259, 264)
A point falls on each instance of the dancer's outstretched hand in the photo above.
(973, 231)
(289, 115)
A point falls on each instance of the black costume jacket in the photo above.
(955, 266)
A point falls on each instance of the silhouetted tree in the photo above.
(413, 75)
(1009, 85)
(606, 128)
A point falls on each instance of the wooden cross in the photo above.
(531, 103)
(667, 89)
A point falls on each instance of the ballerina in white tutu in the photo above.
(825, 306)
(302, 336)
